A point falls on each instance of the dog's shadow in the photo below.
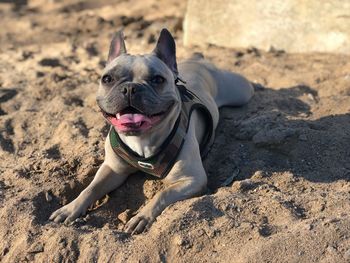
(274, 133)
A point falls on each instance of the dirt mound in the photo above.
(278, 172)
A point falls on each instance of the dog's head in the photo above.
(137, 93)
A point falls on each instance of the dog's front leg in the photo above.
(176, 192)
(186, 179)
(109, 176)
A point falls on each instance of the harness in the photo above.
(161, 162)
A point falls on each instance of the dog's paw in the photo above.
(138, 224)
(68, 213)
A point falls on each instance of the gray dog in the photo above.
(163, 117)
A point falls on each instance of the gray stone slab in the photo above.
(292, 25)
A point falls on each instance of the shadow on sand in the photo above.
(275, 132)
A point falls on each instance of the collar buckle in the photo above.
(145, 165)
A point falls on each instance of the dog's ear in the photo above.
(166, 50)
(117, 46)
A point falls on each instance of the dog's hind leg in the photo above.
(233, 89)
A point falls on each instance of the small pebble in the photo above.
(201, 232)
(311, 97)
(125, 216)
(36, 248)
(28, 258)
(63, 242)
(331, 250)
(226, 206)
(214, 233)
(258, 175)
(79, 220)
(85, 228)
(178, 240)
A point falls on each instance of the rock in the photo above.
(50, 62)
(258, 175)
(293, 26)
(36, 248)
(28, 258)
(309, 227)
(331, 250)
(182, 242)
(125, 216)
(63, 242)
(178, 240)
(213, 233)
(78, 222)
(266, 230)
(200, 232)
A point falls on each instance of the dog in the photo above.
(163, 117)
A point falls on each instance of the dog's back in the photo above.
(227, 88)
(214, 86)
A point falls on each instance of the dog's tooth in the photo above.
(118, 116)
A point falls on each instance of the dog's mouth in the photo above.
(133, 120)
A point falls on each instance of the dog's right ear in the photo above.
(165, 50)
(117, 46)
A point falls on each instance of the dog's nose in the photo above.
(128, 90)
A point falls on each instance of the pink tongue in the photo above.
(133, 118)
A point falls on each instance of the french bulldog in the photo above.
(140, 96)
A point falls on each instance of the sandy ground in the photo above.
(287, 152)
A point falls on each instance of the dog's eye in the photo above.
(107, 79)
(157, 79)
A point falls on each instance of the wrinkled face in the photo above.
(137, 93)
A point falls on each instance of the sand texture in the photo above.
(278, 172)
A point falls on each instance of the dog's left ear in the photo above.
(165, 50)
(117, 46)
